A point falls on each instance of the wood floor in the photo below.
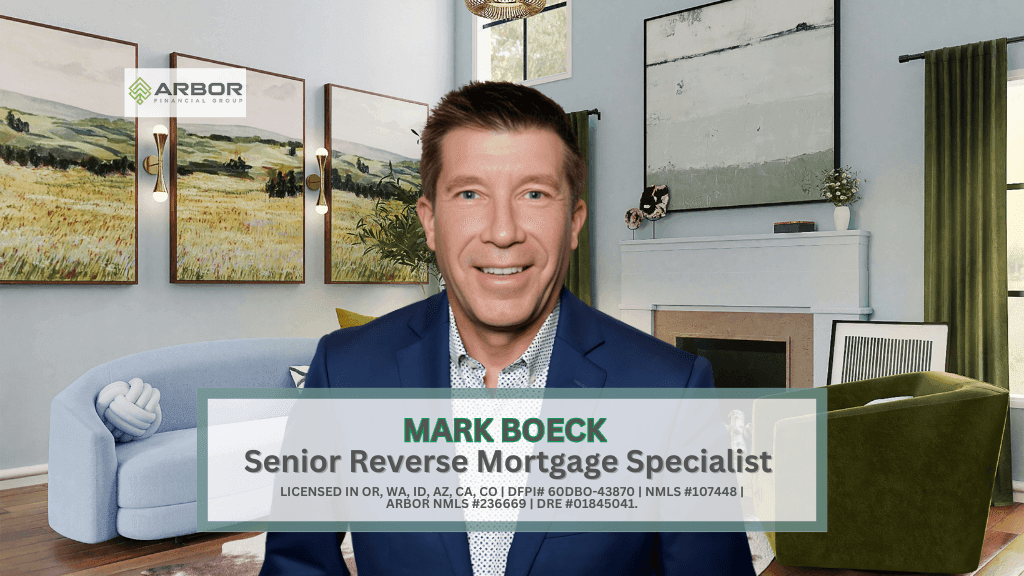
(1001, 555)
(28, 547)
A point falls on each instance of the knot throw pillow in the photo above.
(131, 411)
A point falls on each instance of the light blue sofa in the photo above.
(146, 489)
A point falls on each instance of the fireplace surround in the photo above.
(757, 286)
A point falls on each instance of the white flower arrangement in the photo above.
(840, 186)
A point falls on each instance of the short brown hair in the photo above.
(498, 106)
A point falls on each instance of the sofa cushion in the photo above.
(161, 470)
(157, 523)
(158, 471)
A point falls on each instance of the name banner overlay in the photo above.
(437, 460)
(184, 92)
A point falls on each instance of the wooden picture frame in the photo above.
(729, 120)
(885, 349)
(68, 181)
(237, 192)
(372, 139)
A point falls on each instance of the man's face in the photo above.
(502, 224)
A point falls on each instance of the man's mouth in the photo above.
(503, 271)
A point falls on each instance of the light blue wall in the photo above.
(882, 132)
(50, 335)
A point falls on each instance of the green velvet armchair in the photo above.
(910, 480)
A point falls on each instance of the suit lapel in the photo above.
(570, 369)
(578, 334)
(424, 363)
(525, 546)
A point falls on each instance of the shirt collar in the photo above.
(536, 354)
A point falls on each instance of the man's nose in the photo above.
(504, 228)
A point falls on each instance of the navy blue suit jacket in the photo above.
(409, 348)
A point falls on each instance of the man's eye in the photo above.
(534, 195)
(468, 195)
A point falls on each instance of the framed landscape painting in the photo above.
(741, 102)
(236, 186)
(68, 202)
(374, 162)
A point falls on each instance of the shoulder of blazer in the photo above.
(617, 347)
(390, 332)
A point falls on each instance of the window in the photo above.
(530, 51)
(1015, 225)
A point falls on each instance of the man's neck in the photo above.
(497, 348)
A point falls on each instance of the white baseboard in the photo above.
(23, 472)
(24, 476)
(24, 481)
(1016, 401)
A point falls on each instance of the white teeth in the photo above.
(502, 271)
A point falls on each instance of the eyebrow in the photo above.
(462, 182)
(469, 180)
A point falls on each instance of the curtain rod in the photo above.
(594, 111)
(909, 57)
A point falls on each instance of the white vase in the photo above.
(841, 216)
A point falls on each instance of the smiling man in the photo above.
(502, 208)
(502, 218)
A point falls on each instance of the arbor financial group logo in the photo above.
(185, 92)
(139, 91)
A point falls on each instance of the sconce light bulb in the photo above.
(321, 209)
(160, 196)
(160, 129)
(321, 152)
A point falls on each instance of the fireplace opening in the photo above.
(738, 363)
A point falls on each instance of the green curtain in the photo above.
(965, 216)
(578, 278)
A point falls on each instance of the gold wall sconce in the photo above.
(155, 164)
(315, 182)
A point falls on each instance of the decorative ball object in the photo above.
(131, 411)
(654, 202)
(634, 218)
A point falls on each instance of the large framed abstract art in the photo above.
(68, 201)
(741, 101)
(374, 168)
(236, 186)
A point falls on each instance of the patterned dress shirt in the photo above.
(489, 550)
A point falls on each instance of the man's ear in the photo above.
(579, 217)
(425, 211)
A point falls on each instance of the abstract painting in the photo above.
(375, 158)
(237, 193)
(68, 203)
(741, 101)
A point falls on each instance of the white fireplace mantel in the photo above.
(820, 273)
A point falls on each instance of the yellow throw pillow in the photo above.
(349, 319)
